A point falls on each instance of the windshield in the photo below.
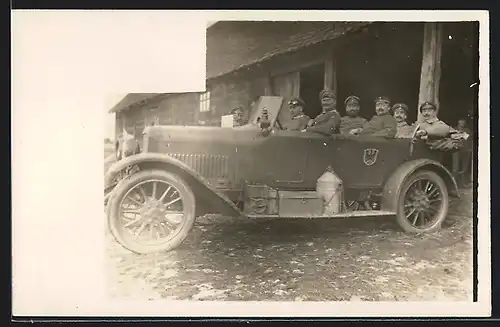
(271, 103)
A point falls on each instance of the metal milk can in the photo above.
(329, 188)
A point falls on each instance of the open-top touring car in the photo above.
(182, 172)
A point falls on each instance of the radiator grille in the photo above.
(207, 165)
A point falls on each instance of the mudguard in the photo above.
(392, 187)
(213, 200)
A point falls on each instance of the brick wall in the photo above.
(227, 92)
(240, 88)
(175, 109)
(226, 95)
(178, 109)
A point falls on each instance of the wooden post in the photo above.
(268, 86)
(431, 65)
(124, 122)
(118, 124)
(331, 74)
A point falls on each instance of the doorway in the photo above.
(311, 83)
(384, 62)
(458, 90)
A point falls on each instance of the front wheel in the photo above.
(423, 203)
(151, 211)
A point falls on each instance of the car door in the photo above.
(280, 159)
(365, 162)
(321, 153)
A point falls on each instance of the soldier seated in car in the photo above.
(382, 124)
(328, 122)
(432, 127)
(400, 113)
(238, 116)
(299, 120)
(352, 120)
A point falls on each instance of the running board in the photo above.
(349, 214)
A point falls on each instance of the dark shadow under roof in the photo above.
(132, 99)
(232, 45)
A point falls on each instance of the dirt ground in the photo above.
(366, 259)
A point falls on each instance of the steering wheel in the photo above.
(279, 124)
(414, 138)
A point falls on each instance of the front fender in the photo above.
(392, 187)
(213, 200)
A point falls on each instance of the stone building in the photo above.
(410, 62)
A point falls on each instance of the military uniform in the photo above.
(238, 119)
(404, 131)
(298, 123)
(328, 122)
(382, 126)
(300, 120)
(348, 123)
(468, 142)
(436, 128)
(462, 160)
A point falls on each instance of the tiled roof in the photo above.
(232, 45)
(131, 99)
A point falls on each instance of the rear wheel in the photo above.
(151, 211)
(423, 203)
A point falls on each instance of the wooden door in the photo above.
(287, 86)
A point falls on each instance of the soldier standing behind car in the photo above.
(462, 159)
(327, 122)
(382, 124)
(400, 112)
(299, 120)
(352, 120)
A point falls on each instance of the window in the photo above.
(205, 102)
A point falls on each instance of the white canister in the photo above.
(329, 188)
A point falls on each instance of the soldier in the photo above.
(383, 124)
(400, 112)
(127, 145)
(299, 120)
(462, 159)
(432, 127)
(328, 122)
(352, 120)
(238, 118)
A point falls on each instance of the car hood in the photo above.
(203, 134)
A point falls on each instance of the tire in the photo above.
(118, 225)
(419, 207)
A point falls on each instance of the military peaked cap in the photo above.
(296, 102)
(383, 98)
(352, 99)
(402, 106)
(326, 93)
(428, 104)
(234, 110)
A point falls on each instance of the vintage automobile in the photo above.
(183, 172)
